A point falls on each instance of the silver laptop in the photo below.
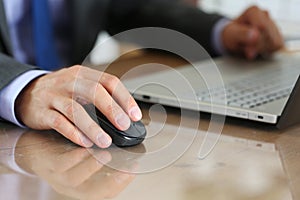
(264, 90)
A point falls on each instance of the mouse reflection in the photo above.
(70, 170)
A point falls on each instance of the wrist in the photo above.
(218, 36)
(21, 102)
(9, 94)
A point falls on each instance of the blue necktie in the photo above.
(46, 55)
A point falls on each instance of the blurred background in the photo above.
(285, 13)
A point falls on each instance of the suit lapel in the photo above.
(4, 34)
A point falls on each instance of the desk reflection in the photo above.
(248, 162)
(45, 160)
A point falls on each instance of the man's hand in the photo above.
(253, 33)
(54, 101)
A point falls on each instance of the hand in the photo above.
(54, 101)
(191, 2)
(253, 33)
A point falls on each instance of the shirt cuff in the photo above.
(9, 94)
(217, 41)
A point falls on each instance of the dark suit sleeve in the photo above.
(10, 69)
(170, 14)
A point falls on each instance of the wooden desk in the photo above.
(249, 161)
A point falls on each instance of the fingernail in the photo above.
(86, 141)
(103, 140)
(135, 113)
(123, 121)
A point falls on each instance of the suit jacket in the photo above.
(89, 17)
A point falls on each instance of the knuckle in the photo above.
(131, 101)
(112, 80)
(57, 122)
(112, 110)
(109, 108)
(69, 131)
(254, 8)
(94, 88)
(266, 13)
(76, 67)
(92, 127)
(74, 70)
(72, 133)
(71, 109)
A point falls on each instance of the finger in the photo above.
(116, 88)
(271, 35)
(62, 125)
(274, 37)
(76, 114)
(96, 93)
(250, 52)
(70, 158)
(118, 91)
(122, 180)
(106, 185)
(261, 20)
(248, 36)
(254, 16)
(236, 37)
(81, 172)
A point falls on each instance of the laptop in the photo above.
(265, 90)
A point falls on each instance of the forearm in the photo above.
(11, 91)
(14, 76)
(167, 14)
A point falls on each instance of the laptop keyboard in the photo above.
(252, 92)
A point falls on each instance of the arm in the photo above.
(251, 34)
(172, 14)
(53, 101)
(14, 76)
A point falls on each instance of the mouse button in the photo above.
(140, 127)
(90, 109)
(136, 129)
(102, 120)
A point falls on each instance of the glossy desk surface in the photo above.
(247, 161)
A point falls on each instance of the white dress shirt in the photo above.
(19, 23)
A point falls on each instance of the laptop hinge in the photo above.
(291, 113)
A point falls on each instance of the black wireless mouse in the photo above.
(134, 135)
